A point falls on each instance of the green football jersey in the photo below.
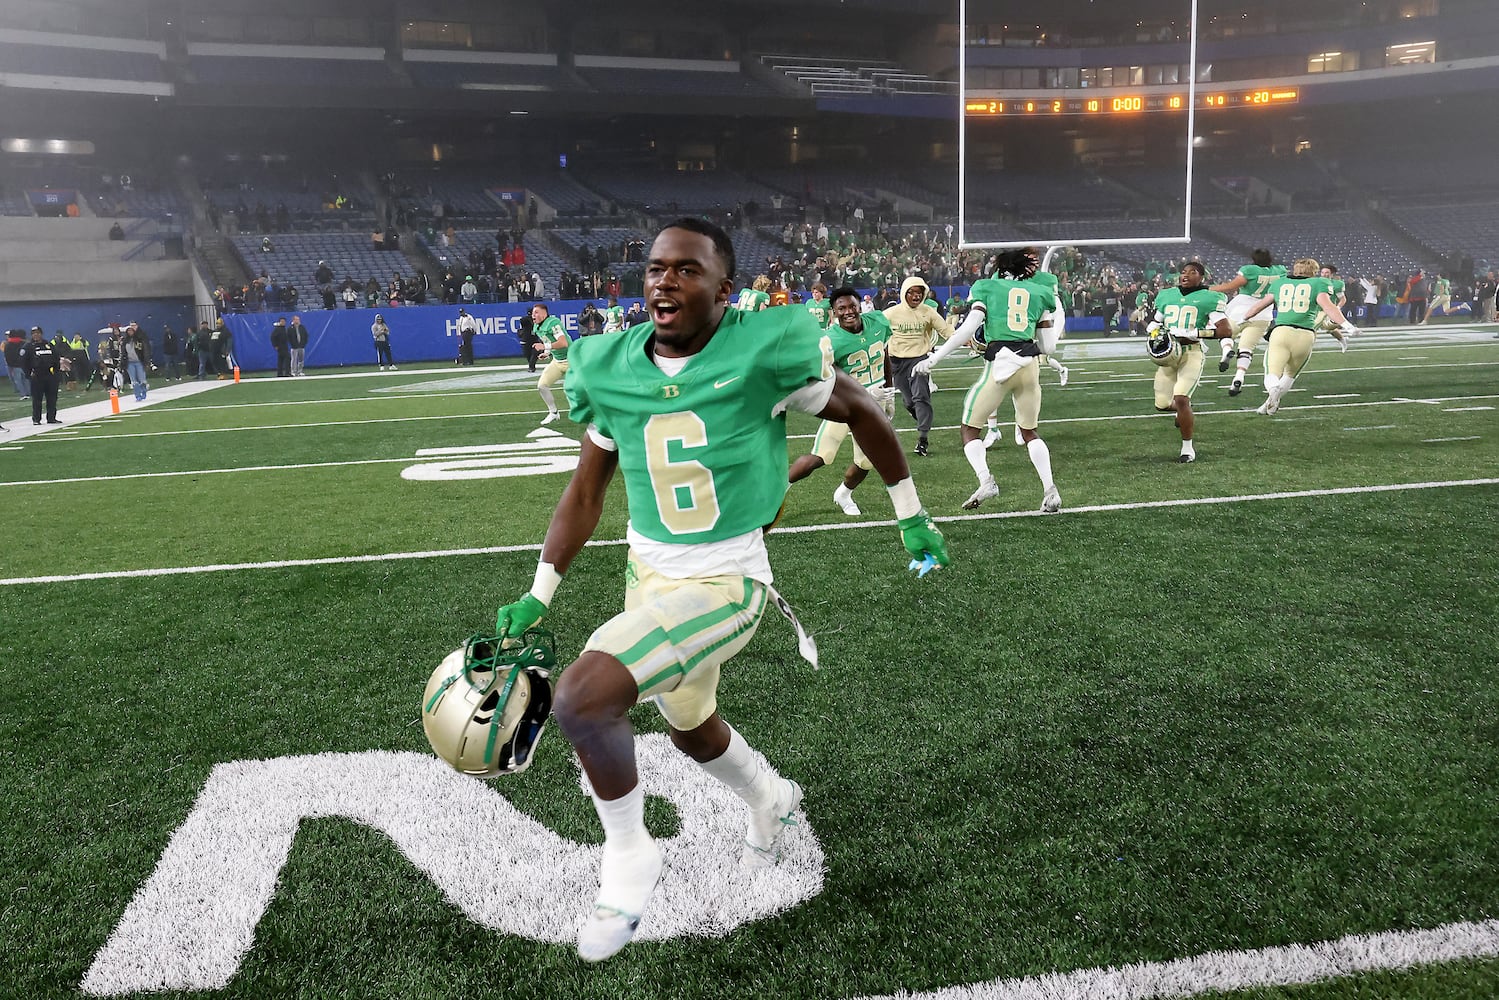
(1012, 308)
(821, 310)
(550, 329)
(1191, 312)
(1259, 278)
(932, 303)
(1296, 300)
(751, 301)
(703, 452)
(862, 354)
(1443, 287)
(1048, 281)
(614, 318)
(955, 304)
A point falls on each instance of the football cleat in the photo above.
(551, 416)
(1187, 456)
(1051, 500)
(1062, 377)
(987, 490)
(1236, 387)
(486, 706)
(1263, 409)
(767, 827)
(626, 881)
(990, 438)
(844, 498)
(1223, 364)
(921, 449)
(1273, 403)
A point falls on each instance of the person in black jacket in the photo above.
(43, 365)
(296, 339)
(528, 340)
(170, 350)
(283, 350)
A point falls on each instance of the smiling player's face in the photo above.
(686, 290)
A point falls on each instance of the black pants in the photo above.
(382, 354)
(915, 392)
(174, 370)
(1418, 310)
(43, 386)
(466, 351)
(283, 364)
(528, 348)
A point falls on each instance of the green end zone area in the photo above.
(1098, 738)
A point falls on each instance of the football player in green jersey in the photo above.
(1339, 295)
(690, 408)
(551, 341)
(1296, 300)
(1013, 312)
(756, 297)
(859, 349)
(1057, 325)
(614, 316)
(1441, 298)
(819, 305)
(1251, 283)
(1186, 314)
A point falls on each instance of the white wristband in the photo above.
(903, 496)
(545, 585)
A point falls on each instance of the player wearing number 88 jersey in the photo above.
(691, 406)
(1298, 300)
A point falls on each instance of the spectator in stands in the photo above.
(323, 275)
(636, 315)
(381, 333)
(296, 339)
(266, 246)
(116, 232)
(377, 240)
(15, 345)
(468, 292)
(350, 294)
(484, 289)
(170, 351)
(371, 293)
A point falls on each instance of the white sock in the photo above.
(1286, 381)
(1041, 459)
(547, 398)
(623, 819)
(1228, 348)
(993, 422)
(1054, 364)
(1187, 448)
(740, 769)
(974, 452)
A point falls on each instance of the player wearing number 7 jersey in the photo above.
(1013, 312)
(1297, 300)
(691, 408)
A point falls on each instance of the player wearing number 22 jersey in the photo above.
(691, 408)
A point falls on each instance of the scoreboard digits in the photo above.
(1130, 103)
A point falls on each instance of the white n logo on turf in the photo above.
(545, 453)
(191, 923)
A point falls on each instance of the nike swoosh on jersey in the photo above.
(727, 381)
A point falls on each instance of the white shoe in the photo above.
(1263, 409)
(1019, 438)
(392, 367)
(844, 498)
(767, 827)
(626, 881)
(1051, 500)
(987, 490)
(1187, 456)
(551, 415)
(1273, 403)
(382, 368)
(1062, 377)
(990, 438)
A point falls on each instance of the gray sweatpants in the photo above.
(915, 392)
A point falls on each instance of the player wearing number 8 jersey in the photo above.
(1297, 301)
(1013, 312)
(858, 341)
(1186, 314)
(690, 406)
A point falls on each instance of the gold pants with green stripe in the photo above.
(675, 634)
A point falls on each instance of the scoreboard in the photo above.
(1120, 104)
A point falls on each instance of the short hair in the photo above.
(722, 245)
(1306, 267)
(1261, 257)
(542, 306)
(841, 291)
(1334, 268)
(1197, 266)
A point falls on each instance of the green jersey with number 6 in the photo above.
(703, 452)
(550, 329)
(1296, 300)
(862, 354)
(1188, 314)
(1012, 308)
(1258, 279)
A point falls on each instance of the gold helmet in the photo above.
(486, 704)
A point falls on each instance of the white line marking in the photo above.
(1230, 971)
(1343, 395)
(1419, 357)
(14, 447)
(1466, 409)
(124, 574)
(1473, 437)
(1376, 427)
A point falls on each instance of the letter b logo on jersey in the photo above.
(670, 391)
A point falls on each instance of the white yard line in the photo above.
(1231, 971)
(1466, 409)
(793, 530)
(1376, 427)
(1471, 437)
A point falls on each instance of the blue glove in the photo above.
(512, 620)
(922, 538)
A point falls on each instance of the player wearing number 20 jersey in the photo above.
(1186, 314)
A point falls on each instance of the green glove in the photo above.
(920, 535)
(513, 619)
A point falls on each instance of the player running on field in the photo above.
(1296, 300)
(1250, 284)
(1339, 295)
(859, 349)
(1184, 317)
(1013, 313)
(1057, 319)
(551, 340)
(690, 408)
